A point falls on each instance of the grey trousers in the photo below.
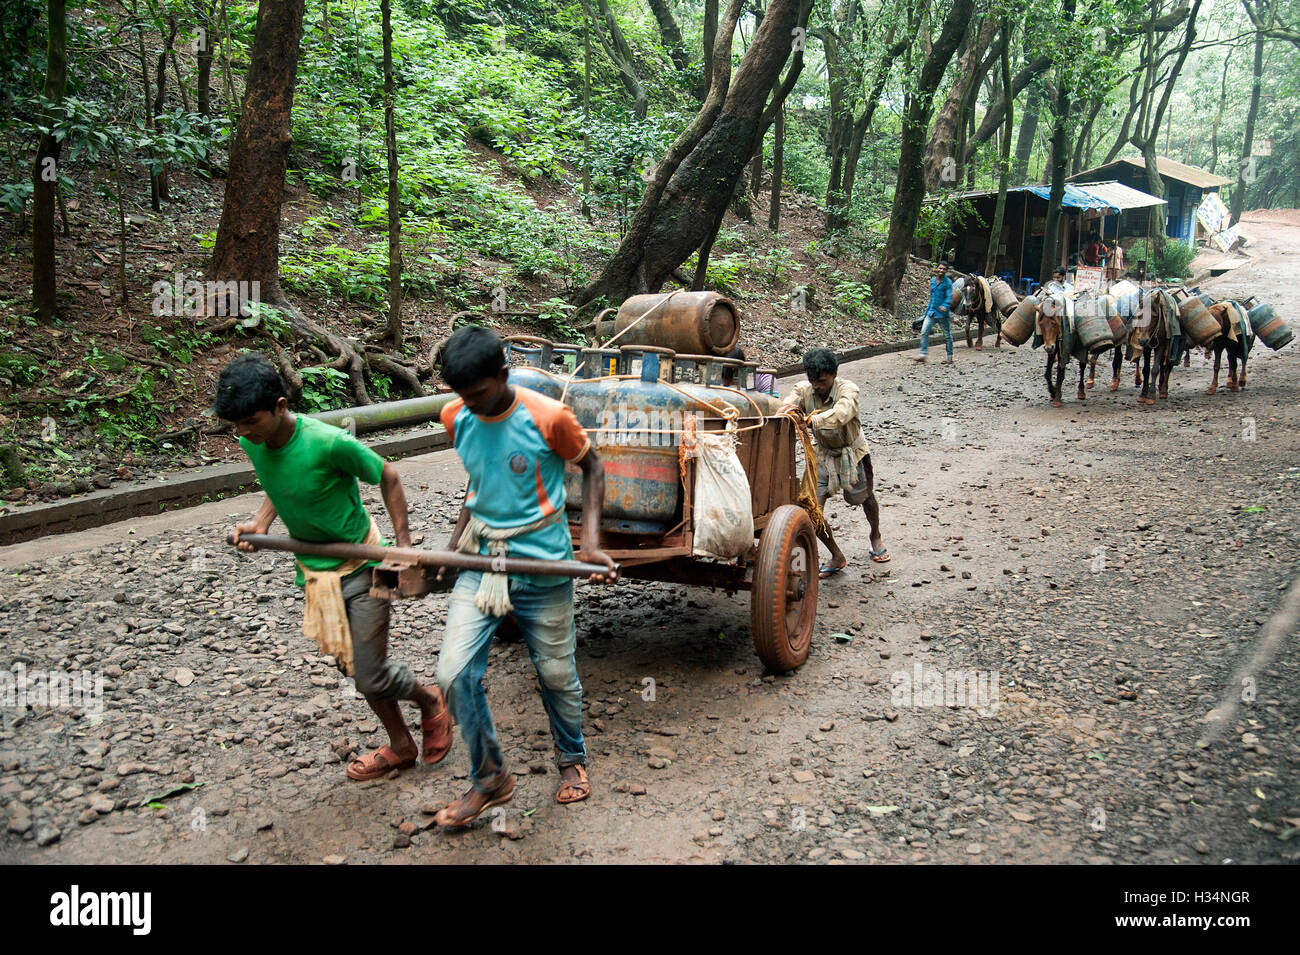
(377, 677)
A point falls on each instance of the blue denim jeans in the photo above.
(545, 616)
(944, 320)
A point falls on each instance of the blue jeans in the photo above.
(545, 615)
(944, 320)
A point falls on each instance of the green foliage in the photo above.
(941, 216)
(1170, 260)
(556, 319)
(19, 369)
(324, 389)
(852, 298)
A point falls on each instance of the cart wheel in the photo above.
(783, 604)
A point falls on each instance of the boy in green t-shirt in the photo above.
(309, 471)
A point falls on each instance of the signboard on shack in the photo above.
(1088, 278)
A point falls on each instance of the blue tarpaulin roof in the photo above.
(1074, 196)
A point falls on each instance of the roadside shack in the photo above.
(1111, 209)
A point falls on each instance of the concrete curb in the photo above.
(171, 492)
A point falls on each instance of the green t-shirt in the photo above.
(312, 482)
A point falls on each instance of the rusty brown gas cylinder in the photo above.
(1198, 324)
(1019, 325)
(697, 323)
(1004, 296)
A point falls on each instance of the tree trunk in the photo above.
(778, 157)
(697, 178)
(620, 54)
(154, 196)
(1218, 116)
(841, 108)
(203, 52)
(1085, 135)
(710, 38)
(943, 154)
(909, 188)
(837, 218)
(394, 193)
(1025, 138)
(1147, 142)
(159, 103)
(247, 246)
(1245, 168)
(1060, 160)
(992, 120)
(1004, 159)
(671, 35)
(45, 170)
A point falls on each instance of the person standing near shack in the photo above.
(830, 405)
(514, 443)
(936, 311)
(309, 471)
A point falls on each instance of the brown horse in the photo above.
(977, 302)
(1154, 329)
(1052, 327)
(1234, 346)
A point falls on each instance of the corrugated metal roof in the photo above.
(1119, 196)
(1166, 167)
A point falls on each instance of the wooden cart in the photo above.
(780, 571)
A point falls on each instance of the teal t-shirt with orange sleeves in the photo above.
(516, 465)
(312, 482)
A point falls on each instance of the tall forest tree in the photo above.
(909, 188)
(45, 170)
(1246, 166)
(697, 177)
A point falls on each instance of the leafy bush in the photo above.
(940, 217)
(1170, 260)
(852, 298)
(324, 389)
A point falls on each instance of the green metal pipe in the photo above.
(389, 414)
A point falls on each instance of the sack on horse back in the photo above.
(723, 505)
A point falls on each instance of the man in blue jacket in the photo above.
(937, 311)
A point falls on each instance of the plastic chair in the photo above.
(1008, 276)
(1027, 284)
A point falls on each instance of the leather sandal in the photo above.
(437, 733)
(571, 791)
(455, 815)
(379, 763)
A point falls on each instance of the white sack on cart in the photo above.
(724, 521)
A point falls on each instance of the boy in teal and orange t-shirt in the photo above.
(514, 443)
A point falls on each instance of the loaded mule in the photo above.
(1070, 330)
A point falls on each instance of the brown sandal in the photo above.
(379, 763)
(437, 733)
(454, 815)
(574, 791)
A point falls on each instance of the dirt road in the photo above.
(1081, 583)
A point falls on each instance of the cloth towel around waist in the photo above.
(493, 595)
(325, 613)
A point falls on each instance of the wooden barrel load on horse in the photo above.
(1269, 327)
(1004, 296)
(1019, 325)
(1198, 325)
(1091, 329)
